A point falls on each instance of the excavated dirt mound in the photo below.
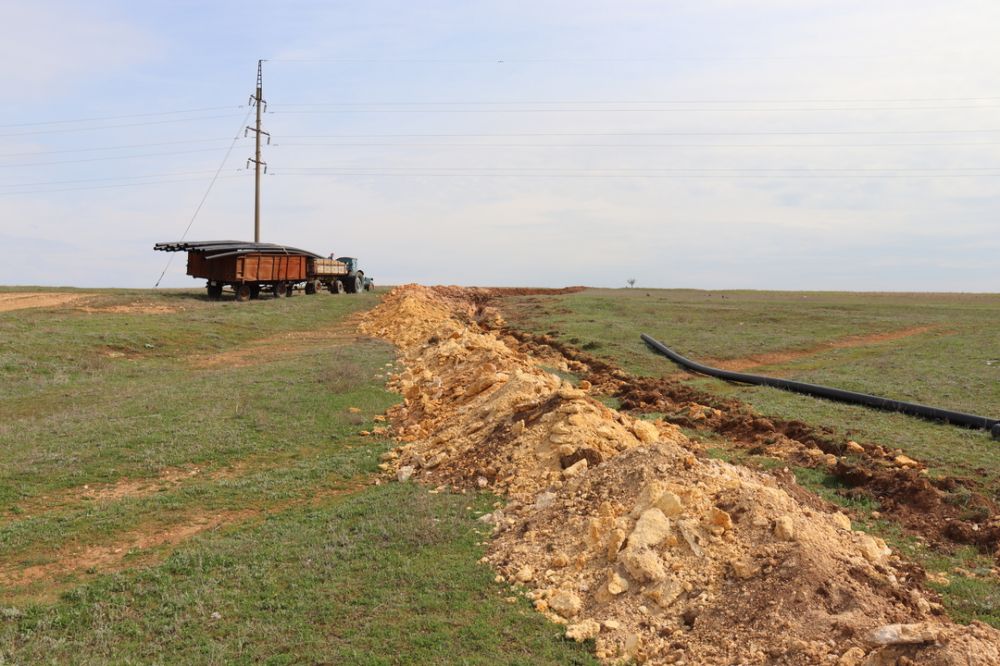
(899, 483)
(616, 529)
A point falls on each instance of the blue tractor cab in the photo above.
(355, 276)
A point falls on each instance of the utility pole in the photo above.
(258, 100)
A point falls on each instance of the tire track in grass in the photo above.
(145, 546)
(775, 358)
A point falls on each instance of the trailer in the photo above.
(250, 269)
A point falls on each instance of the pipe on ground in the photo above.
(878, 402)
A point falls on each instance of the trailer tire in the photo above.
(242, 291)
(289, 289)
(310, 288)
(336, 287)
(214, 291)
(280, 289)
(254, 292)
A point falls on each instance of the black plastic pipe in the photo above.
(912, 408)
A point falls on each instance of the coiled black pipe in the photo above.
(912, 408)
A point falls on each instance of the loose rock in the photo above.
(567, 604)
(582, 631)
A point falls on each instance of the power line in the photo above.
(111, 178)
(627, 170)
(585, 61)
(646, 176)
(112, 186)
(651, 133)
(643, 145)
(121, 147)
(110, 157)
(103, 127)
(826, 100)
(638, 110)
(121, 117)
(208, 190)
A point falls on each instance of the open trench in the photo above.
(616, 528)
(924, 505)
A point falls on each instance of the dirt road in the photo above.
(29, 299)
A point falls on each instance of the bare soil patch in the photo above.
(111, 557)
(110, 492)
(150, 544)
(131, 308)
(774, 358)
(45, 299)
(269, 348)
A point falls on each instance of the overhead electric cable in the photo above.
(587, 61)
(121, 117)
(649, 169)
(827, 100)
(104, 187)
(645, 176)
(644, 133)
(642, 145)
(103, 127)
(110, 157)
(109, 178)
(101, 148)
(279, 111)
(208, 190)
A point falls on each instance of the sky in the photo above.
(750, 144)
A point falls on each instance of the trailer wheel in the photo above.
(242, 291)
(214, 291)
(310, 288)
(280, 289)
(254, 292)
(289, 288)
(336, 287)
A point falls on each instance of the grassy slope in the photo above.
(956, 364)
(310, 563)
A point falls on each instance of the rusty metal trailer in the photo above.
(247, 268)
(252, 268)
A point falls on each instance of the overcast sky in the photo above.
(771, 144)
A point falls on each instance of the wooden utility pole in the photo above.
(258, 100)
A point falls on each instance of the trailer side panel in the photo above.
(248, 267)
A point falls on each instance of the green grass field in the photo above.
(184, 482)
(939, 349)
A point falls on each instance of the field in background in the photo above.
(942, 350)
(184, 481)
